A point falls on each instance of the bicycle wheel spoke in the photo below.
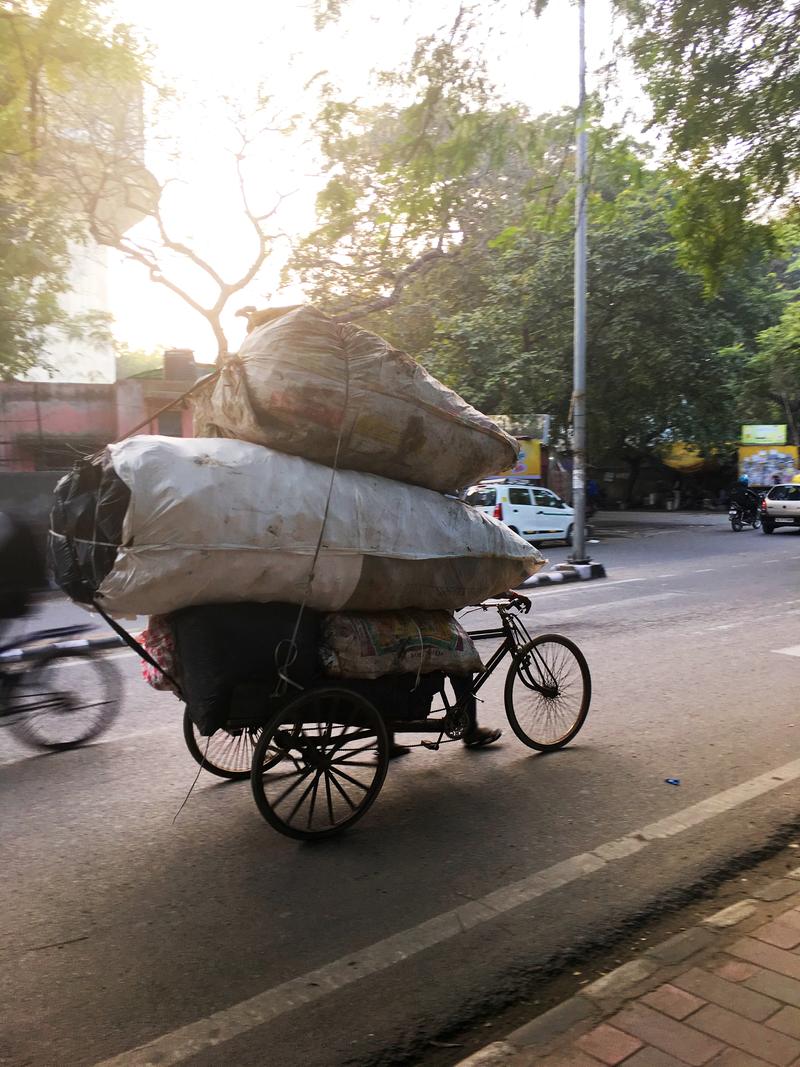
(329, 798)
(299, 779)
(344, 795)
(300, 800)
(345, 757)
(349, 778)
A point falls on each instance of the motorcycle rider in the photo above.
(745, 498)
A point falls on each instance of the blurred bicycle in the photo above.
(57, 690)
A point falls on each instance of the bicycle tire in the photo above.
(46, 715)
(557, 676)
(325, 742)
(228, 755)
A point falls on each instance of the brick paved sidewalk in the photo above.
(725, 993)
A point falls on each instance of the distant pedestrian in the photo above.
(776, 479)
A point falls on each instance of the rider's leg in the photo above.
(475, 736)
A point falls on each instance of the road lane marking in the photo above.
(704, 570)
(581, 610)
(224, 1025)
(749, 621)
(666, 576)
(794, 650)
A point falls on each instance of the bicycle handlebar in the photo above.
(506, 601)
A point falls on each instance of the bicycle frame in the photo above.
(20, 648)
(515, 635)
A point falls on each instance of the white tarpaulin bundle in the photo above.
(302, 379)
(214, 521)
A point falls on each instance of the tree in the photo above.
(421, 179)
(658, 351)
(773, 372)
(51, 54)
(175, 260)
(724, 79)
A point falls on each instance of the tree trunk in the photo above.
(634, 467)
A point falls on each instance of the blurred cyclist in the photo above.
(22, 569)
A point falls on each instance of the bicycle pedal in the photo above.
(433, 746)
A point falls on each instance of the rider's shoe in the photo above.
(481, 736)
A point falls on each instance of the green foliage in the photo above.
(52, 56)
(448, 221)
(724, 78)
(131, 362)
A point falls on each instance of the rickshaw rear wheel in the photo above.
(548, 692)
(320, 763)
(228, 754)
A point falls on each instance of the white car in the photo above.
(780, 507)
(534, 513)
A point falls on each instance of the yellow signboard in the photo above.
(760, 463)
(529, 461)
(684, 458)
(764, 435)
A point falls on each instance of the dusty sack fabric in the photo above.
(371, 644)
(302, 378)
(223, 521)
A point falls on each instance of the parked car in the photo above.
(780, 507)
(534, 513)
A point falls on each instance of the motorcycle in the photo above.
(740, 517)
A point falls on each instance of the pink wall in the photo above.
(51, 414)
(31, 411)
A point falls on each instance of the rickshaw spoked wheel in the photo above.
(228, 754)
(320, 763)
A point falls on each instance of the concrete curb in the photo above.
(567, 572)
(608, 993)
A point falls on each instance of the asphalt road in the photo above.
(213, 940)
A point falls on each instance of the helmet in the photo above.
(744, 480)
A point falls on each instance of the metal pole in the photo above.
(579, 343)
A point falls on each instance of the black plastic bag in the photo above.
(86, 526)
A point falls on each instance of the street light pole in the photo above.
(579, 341)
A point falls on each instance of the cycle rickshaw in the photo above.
(317, 759)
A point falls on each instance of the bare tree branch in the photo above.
(421, 264)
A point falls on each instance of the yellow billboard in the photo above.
(762, 434)
(529, 461)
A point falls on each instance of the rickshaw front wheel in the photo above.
(548, 691)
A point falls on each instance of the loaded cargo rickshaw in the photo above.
(286, 515)
(317, 757)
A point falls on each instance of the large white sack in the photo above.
(301, 378)
(219, 520)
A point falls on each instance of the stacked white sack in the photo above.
(307, 385)
(214, 521)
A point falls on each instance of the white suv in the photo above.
(534, 513)
(780, 507)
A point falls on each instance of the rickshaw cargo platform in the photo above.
(200, 521)
(307, 385)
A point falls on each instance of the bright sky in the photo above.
(208, 51)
